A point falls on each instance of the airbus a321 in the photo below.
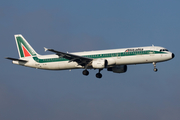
(115, 60)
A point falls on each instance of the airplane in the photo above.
(115, 60)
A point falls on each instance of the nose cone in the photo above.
(173, 55)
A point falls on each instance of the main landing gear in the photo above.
(98, 75)
(155, 69)
(85, 72)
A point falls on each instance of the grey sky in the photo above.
(68, 25)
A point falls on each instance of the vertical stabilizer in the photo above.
(24, 48)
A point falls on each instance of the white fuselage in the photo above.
(126, 56)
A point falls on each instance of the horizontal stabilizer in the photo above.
(16, 59)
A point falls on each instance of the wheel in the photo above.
(155, 69)
(99, 75)
(85, 72)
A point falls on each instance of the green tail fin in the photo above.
(24, 48)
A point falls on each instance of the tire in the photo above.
(85, 72)
(99, 75)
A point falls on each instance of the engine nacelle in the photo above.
(111, 61)
(118, 69)
(99, 63)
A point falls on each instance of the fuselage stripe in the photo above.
(105, 55)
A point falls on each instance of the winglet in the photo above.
(45, 49)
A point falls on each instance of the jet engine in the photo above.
(99, 63)
(118, 69)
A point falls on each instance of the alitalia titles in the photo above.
(132, 50)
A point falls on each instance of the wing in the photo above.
(83, 61)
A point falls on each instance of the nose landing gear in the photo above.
(155, 69)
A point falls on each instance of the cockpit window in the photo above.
(164, 50)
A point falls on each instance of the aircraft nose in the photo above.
(173, 55)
